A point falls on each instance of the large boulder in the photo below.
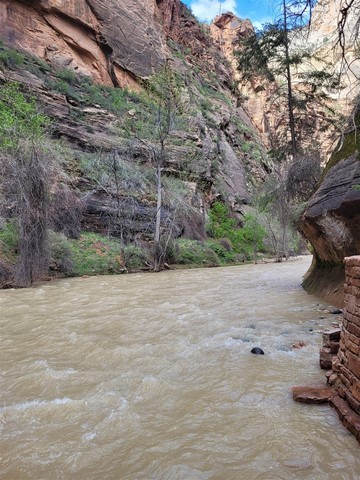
(331, 223)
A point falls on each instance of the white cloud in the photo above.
(206, 10)
(259, 23)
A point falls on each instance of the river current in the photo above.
(150, 377)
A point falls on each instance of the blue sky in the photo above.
(259, 11)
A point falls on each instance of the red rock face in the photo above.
(312, 395)
(181, 27)
(112, 41)
(331, 223)
(346, 364)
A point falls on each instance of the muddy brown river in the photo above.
(150, 377)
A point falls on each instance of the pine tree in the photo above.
(276, 53)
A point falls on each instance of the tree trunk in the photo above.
(157, 247)
(289, 85)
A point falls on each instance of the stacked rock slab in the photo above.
(331, 345)
(346, 365)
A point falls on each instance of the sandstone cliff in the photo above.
(331, 221)
(121, 44)
(265, 101)
(113, 42)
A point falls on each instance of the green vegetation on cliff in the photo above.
(348, 145)
(95, 206)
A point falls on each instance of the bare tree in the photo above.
(26, 185)
(25, 174)
(164, 91)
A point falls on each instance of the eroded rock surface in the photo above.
(110, 41)
(331, 223)
(345, 374)
(314, 395)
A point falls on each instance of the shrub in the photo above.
(66, 75)
(65, 88)
(11, 58)
(42, 64)
(134, 257)
(221, 225)
(66, 211)
(222, 249)
(193, 252)
(18, 117)
(94, 254)
(61, 253)
(9, 239)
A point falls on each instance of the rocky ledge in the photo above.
(312, 395)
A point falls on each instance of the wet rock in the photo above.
(313, 395)
(257, 351)
(326, 358)
(349, 418)
(331, 335)
(284, 348)
(336, 311)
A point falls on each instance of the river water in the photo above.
(150, 376)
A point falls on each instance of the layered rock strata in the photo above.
(113, 42)
(312, 395)
(121, 44)
(331, 223)
(345, 375)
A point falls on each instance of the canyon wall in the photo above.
(265, 100)
(331, 223)
(112, 42)
(345, 378)
(217, 151)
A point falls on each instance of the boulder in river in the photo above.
(257, 351)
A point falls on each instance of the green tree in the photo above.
(221, 224)
(274, 54)
(253, 233)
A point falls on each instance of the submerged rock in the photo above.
(336, 311)
(284, 348)
(257, 351)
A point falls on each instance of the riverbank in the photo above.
(92, 254)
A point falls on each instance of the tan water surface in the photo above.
(150, 376)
